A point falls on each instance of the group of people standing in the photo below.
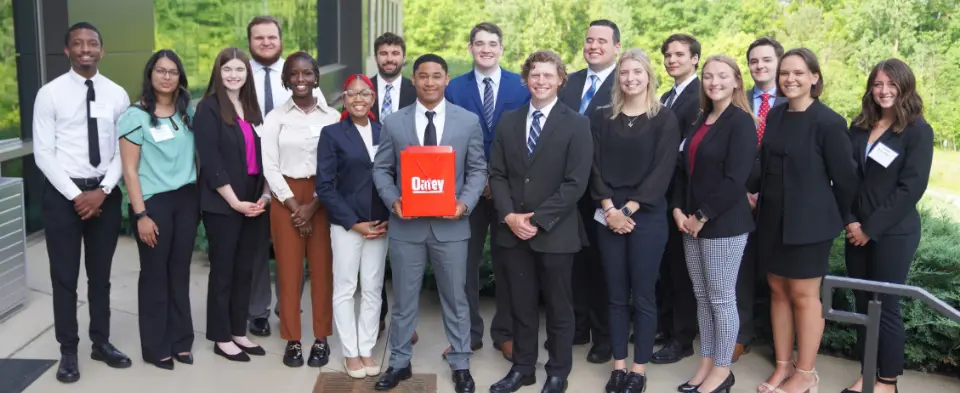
(617, 208)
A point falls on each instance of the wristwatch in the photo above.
(626, 211)
(700, 216)
(106, 189)
(138, 216)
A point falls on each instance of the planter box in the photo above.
(13, 249)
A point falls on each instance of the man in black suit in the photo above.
(539, 168)
(677, 306)
(763, 56)
(393, 93)
(587, 90)
(393, 90)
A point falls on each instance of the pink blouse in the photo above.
(251, 147)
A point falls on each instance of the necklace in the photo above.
(630, 121)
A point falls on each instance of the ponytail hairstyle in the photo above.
(346, 113)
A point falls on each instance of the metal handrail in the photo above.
(872, 318)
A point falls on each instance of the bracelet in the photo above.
(265, 196)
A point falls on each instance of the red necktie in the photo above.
(762, 113)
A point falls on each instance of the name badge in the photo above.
(681, 145)
(598, 216)
(161, 133)
(315, 130)
(882, 154)
(100, 111)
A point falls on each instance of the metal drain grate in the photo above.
(334, 382)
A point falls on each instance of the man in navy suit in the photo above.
(488, 91)
(585, 91)
(763, 56)
(394, 92)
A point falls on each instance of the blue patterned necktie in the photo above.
(387, 107)
(588, 96)
(267, 92)
(488, 102)
(534, 133)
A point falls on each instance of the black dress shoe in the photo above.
(260, 327)
(513, 382)
(293, 356)
(68, 371)
(255, 350)
(635, 383)
(672, 352)
(600, 353)
(686, 387)
(463, 382)
(109, 354)
(240, 357)
(164, 364)
(554, 385)
(319, 354)
(392, 377)
(615, 383)
(185, 359)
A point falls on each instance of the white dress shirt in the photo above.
(494, 80)
(289, 144)
(279, 93)
(603, 74)
(394, 93)
(366, 133)
(683, 85)
(60, 144)
(420, 120)
(543, 120)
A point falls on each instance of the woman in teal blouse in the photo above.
(159, 170)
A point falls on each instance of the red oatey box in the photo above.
(428, 181)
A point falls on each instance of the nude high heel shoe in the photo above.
(355, 374)
(812, 389)
(768, 388)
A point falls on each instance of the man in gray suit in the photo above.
(432, 121)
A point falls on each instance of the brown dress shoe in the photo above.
(740, 350)
(507, 350)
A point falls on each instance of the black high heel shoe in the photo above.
(240, 357)
(163, 364)
(254, 350)
(686, 387)
(185, 359)
(725, 386)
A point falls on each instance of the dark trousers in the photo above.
(166, 325)
(676, 304)
(528, 273)
(64, 232)
(747, 289)
(589, 283)
(631, 263)
(485, 216)
(235, 241)
(887, 260)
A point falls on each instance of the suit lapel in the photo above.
(475, 94)
(686, 93)
(576, 83)
(448, 120)
(376, 101)
(554, 119)
(410, 121)
(353, 134)
(521, 138)
(602, 91)
(502, 95)
(869, 163)
(718, 127)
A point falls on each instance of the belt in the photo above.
(87, 184)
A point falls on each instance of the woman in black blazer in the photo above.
(233, 195)
(808, 182)
(893, 149)
(358, 223)
(710, 208)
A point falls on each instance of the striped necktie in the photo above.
(387, 107)
(534, 133)
(588, 96)
(488, 102)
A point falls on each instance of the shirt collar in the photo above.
(440, 109)
(495, 77)
(603, 74)
(81, 79)
(682, 85)
(545, 110)
(757, 92)
(277, 66)
(382, 82)
(289, 105)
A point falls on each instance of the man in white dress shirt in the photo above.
(76, 147)
(265, 41)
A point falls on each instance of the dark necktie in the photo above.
(671, 98)
(93, 134)
(267, 92)
(430, 134)
(488, 102)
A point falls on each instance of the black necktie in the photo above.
(430, 134)
(671, 98)
(267, 92)
(93, 134)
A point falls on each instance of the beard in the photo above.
(267, 60)
(396, 71)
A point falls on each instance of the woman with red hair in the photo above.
(358, 223)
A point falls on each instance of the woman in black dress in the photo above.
(893, 148)
(807, 188)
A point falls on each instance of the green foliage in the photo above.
(9, 94)
(849, 36)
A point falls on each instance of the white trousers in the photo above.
(353, 257)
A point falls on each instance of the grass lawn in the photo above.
(945, 174)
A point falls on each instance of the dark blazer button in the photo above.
(527, 180)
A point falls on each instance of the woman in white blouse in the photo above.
(358, 220)
(298, 221)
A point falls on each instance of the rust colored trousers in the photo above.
(290, 249)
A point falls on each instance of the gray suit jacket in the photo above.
(462, 132)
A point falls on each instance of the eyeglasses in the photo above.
(365, 93)
(173, 73)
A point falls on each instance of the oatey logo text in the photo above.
(426, 186)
